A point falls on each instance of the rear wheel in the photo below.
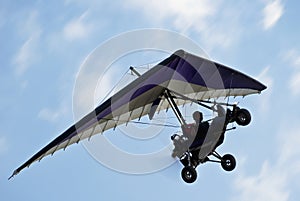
(228, 162)
(189, 174)
(243, 117)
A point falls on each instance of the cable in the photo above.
(114, 87)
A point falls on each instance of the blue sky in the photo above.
(43, 45)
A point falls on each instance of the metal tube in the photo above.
(134, 71)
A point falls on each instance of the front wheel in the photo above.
(228, 162)
(189, 174)
(243, 117)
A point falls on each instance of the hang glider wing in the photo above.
(181, 73)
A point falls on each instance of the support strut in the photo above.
(174, 107)
(170, 100)
(134, 71)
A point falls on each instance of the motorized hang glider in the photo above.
(180, 78)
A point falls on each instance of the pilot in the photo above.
(223, 121)
(200, 129)
(195, 134)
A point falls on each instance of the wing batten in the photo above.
(129, 117)
(93, 129)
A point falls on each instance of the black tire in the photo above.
(243, 117)
(189, 174)
(228, 162)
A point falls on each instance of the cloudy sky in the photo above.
(44, 44)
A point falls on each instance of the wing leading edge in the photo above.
(182, 73)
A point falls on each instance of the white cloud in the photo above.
(216, 23)
(269, 184)
(276, 180)
(289, 140)
(292, 57)
(264, 101)
(53, 115)
(31, 26)
(77, 28)
(91, 90)
(25, 57)
(294, 83)
(83, 93)
(104, 86)
(272, 12)
(264, 76)
(27, 53)
(183, 13)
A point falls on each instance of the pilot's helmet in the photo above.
(198, 116)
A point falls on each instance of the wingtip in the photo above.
(14, 174)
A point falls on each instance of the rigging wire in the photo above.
(144, 123)
(146, 66)
(115, 86)
(149, 64)
(155, 124)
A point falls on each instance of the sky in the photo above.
(43, 46)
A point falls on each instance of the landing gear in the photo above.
(228, 162)
(189, 174)
(242, 117)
